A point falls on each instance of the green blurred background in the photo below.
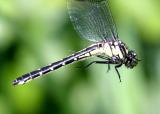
(34, 33)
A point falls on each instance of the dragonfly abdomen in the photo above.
(83, 54)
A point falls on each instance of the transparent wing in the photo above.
(92, 19)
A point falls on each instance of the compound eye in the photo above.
(134, 54)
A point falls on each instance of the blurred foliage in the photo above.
(36, 33)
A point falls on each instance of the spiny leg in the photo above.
(96, 62)
(86, 66)
(108, 68)
(116, 68)
(105, 58)
(107, 62)
(100, 62)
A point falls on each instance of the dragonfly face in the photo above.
(131, 59)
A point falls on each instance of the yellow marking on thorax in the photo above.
(116, 51)
(112, 50)
(107, 50)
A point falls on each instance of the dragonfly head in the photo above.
(131, 59)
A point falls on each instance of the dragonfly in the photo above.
(92, 19)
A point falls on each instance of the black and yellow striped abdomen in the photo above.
(83, 54)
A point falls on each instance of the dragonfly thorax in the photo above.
(113, 48)
(118, 53)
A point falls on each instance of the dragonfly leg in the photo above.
(106, 58)
(116, 68)
(108, 68)
(100, 62)
(107, 62)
